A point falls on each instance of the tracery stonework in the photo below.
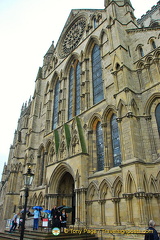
(72, 36)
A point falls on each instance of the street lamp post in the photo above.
(28, 178)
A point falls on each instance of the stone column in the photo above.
(116, 201)
(141, 203)
(77, 203)
(46, 202)
(148, 203)
(103, 217)
(128, 197)
(89, 213)
(82, 204)
(80, 217)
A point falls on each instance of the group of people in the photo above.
(58, 218)
(18, 219)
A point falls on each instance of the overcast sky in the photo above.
(27, 29)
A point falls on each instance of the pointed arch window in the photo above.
(95, 23)
(55, 107)
(97, 75)
(74, 90)
(157, 114)
(141, 52)
(153, 44)
(115, 142)
(100, 147)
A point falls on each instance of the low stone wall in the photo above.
(29, 222)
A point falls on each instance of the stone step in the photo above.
(39, 235)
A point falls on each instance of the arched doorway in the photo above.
(66, 194)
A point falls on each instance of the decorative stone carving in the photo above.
(75, 139)
(62, 149)
(128, 196)
(140, 194)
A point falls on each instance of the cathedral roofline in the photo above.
(149, 12)
(144, 29)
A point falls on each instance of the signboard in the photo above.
(45, 222)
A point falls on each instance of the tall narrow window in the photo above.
(77, 97)
(153, 44)
(55, 107)
(115, 142)
(141, 52)
(74, 90)
(97, 75)
(100, 147)
(70, 100)
(94, 23)
(157, 114)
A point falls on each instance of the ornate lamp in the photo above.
(28, 178)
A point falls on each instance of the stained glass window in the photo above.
(97, 75)
(100, 147)
(157, 113)
(55, 108)
(115, 142)
(74, 90)
(70, 97)
(77, 97)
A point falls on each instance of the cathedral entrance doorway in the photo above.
(66, 195)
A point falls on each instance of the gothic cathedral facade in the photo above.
(91, 132)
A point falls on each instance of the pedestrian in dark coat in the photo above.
(55, 215)
(153, 234)
(63, 220)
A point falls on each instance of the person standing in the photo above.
(36, 219)
(153, 234)
(14, 222)
(63, 220)
(55, 215)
